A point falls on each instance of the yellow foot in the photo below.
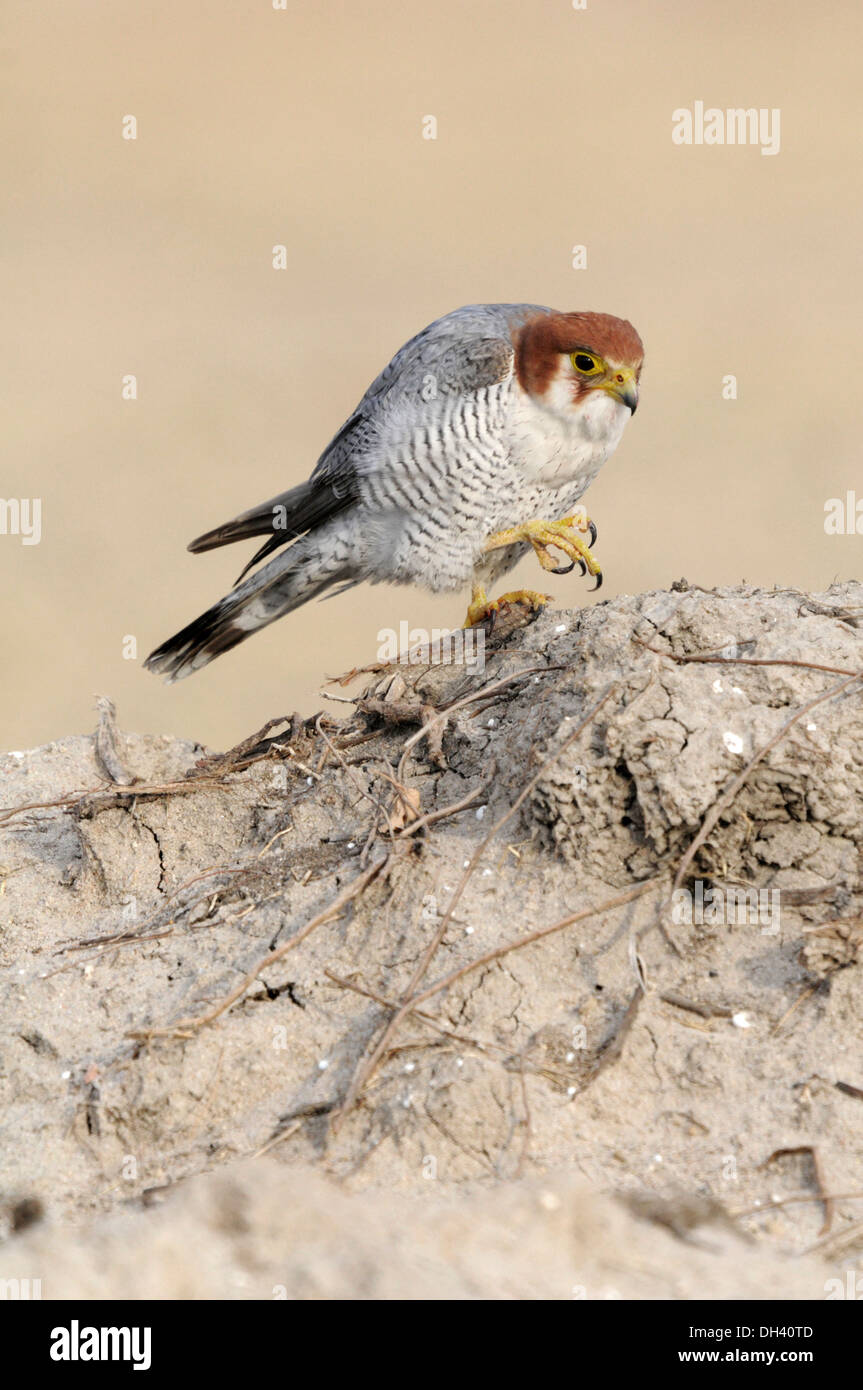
(482, 608)
(563, 535)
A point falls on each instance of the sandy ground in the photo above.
(200, 1092)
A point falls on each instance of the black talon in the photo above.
(582, 568)
(564, 569)
(593, 532)
(598, 584)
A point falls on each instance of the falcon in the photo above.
(473, 446)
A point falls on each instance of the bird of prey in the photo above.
(474, 444)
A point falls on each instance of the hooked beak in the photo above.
(623, 386)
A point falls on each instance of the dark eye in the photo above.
(584, 362)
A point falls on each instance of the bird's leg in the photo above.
(482, 608)
(563, 535)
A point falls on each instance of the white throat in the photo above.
(554, 444)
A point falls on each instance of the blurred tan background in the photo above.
(304, 127)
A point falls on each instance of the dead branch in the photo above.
(185, 1027)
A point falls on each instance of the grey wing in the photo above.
(330, 490)
(460, 353)
(283, 518)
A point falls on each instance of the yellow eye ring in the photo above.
(585, 363)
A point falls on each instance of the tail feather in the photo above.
(287, 582)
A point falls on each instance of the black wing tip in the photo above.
(221, 535)
(171, 660)
(195, 645)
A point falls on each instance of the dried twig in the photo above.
(352, 777)
(819, 1178)
(770, 1202)
(224, 761)
(711, 660)
(106, 744)
(431, 817)
(451, 709)
(97, 799)
(186, 1026)
(691, 1006)
(836, 1238)
(394, 1004)
(847, 1089)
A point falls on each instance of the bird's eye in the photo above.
(584, 363)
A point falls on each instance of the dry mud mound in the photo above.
(564, 955)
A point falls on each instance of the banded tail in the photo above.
(313, 563)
